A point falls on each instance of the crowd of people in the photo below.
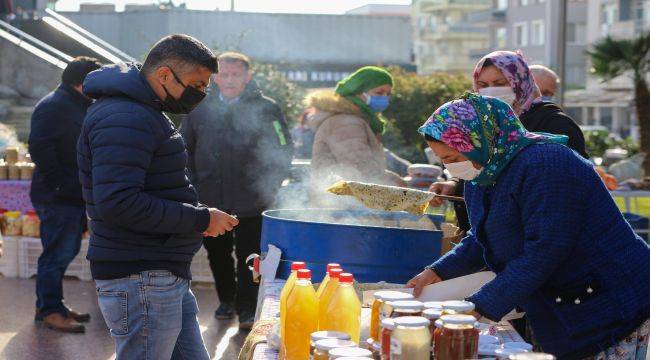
(536, 213)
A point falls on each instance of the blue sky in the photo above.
(282, 6)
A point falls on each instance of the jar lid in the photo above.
(432, 314)
(439, 323)
(354, 358)
(391, 295)
(297, 265)
(506, 353)
(433, 305)
(411, 321)
(458, 306)
(518, 345)
(329, 344)
(321, 335)
(406, 305)
(388, 324)
(458, 319)
(531, 356)
(349, 351)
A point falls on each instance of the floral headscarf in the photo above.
(515, 69)
(485, 130)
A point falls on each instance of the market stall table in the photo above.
(269, 308)
(14, 195)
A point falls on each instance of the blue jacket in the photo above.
(561, 249)
(132, 164)
(55, 127)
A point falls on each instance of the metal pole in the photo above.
(561, 51)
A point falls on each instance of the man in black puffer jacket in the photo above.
(144, 214)
(56, 191)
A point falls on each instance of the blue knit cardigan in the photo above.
(561, 249)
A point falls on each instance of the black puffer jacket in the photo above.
(239, 153)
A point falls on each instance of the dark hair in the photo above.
(77, 69)
(183, 51)
(428, 137)
(234, 57)
(487, 63)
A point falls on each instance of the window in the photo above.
(502, 4)
(522, 2)
(501, 37)
(521, 34)
(576, 33)
(608, 12)
(538, 30)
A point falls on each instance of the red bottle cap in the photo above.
(346, 278)
(304, 274)
(297, 265)
(335, 273)
(331, 266)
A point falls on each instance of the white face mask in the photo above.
(464, 170)
(503, 93)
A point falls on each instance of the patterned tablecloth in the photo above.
(14, 195)
(269, 307)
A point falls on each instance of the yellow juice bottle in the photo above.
(325, 298)
(301, 318)
(326, 279)
(344, 310)
(295, 266)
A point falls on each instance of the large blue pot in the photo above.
(371, 253)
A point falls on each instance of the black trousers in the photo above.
(235, 286)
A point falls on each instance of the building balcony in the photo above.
(426, 6)
(458, 31)
(488, 17)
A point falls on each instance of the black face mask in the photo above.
(189, 99)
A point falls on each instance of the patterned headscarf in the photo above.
(515, 69)
(485, 130)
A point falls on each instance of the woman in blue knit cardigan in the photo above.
(544, 222)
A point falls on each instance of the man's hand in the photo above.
(442, 188)
(427, 277)
(220, 222)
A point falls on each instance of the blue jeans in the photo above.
(152, 315)
(61, 229)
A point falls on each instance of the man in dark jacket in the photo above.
(56, 191)
(144, 214)
(240, 152)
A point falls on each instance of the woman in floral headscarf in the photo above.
(544, 222)
(505, 75)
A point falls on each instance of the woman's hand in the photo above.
(442, 188)
(427, 277)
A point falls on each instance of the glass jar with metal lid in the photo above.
(322, 335)
(404, 308)
(457, 307)
(432, 314)
(411, 339)
(349, 352)
(387, 327)
(376, 313)
(323, 347)
(457, 339)
(433, 305)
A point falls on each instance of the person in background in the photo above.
(56, 191)
(543, 221)
(240, 152)
(303, 136)
(546, 80)
(145, 219)
(348, 127)
(505, 75)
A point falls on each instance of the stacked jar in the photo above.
(324, 335)
(323, 347)
(411, 339)
(377, 314)
(457, 339)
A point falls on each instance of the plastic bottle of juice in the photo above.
(344, 310)
(326, 297)
(301, 318)
(295, 266)
(326, 279)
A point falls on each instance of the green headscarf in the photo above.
(362, 80)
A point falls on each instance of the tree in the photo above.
(413, 100)
(612, 58)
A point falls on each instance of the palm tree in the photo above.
(612, 58)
